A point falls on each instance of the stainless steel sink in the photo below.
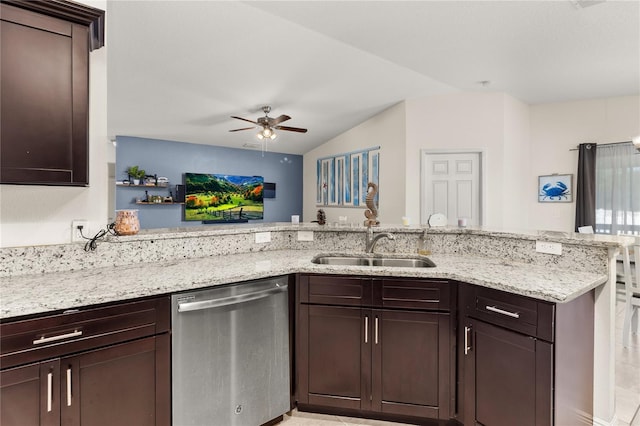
(403, 262)
(341, 260)
(355, 260)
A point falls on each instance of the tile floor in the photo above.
(627, 375)
(627, 389)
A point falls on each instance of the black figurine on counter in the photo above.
(321, 216)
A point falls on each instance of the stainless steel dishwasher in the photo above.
(230, 354)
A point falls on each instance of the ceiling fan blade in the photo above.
(280, 119)
(243, 119)
(291, 129)
(244, 128)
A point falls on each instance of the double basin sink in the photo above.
(373, 260)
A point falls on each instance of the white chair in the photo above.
(632, 291)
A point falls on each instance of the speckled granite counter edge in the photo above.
(594, 240)
(37, 294)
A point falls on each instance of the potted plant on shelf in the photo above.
(136, 174)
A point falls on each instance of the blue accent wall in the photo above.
(172, 159)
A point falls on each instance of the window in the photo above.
(617, 189)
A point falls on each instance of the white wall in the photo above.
(34, 215)
(556, 128)
(386, 130)
(516, 187)
(457, 122)
(520, 142)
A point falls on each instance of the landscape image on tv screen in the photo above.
(224, 198)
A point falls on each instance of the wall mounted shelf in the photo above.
(160, 185)
(157, 204)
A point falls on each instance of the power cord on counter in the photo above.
(92, 243)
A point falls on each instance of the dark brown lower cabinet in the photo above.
(411, 363)
(366, 359)
(24, 393)
(524, 361)
(125, 382)
(509, 378)
(338, 366)
(110, 386)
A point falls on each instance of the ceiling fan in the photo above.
(269, 124)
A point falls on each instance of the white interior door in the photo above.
(451, 186)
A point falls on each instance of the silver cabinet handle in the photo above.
(366, 329)
(69, 387)
(502, 311)
(49, 391)
(375, 326)
(43, 339)
(467, 346)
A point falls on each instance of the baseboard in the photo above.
(600, 422)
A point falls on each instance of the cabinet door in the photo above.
(335, 356)
(117, 385)
(508, 377)
(411, 363)
(29, 395)
(45, 83)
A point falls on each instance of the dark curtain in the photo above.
(586, 186)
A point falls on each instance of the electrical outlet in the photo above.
(75, 232)
(305, 235)
(263, 237)
(549, 247)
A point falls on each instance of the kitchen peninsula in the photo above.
(46, 279)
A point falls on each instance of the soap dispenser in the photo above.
(424, 246)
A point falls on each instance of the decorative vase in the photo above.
(127, 222)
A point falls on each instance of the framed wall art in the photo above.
(555, 188)
(342, 179)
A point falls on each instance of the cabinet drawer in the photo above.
(50, 336)
(335, 290)
(519, 313)
(416, 294)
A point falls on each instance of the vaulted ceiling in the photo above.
(178, 70)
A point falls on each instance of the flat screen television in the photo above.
(215, 198)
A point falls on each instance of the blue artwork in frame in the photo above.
(319, 183)
(332, 180)
(356, 180)
(555, 188)
(347, 179)
(340, 183)
(341, 180)
(365, 175)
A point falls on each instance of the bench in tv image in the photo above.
(215, 198)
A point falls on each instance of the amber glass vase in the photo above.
(127, 222)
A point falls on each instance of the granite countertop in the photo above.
(35, 294)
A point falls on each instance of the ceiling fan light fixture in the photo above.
(268, 125)
(266, 133)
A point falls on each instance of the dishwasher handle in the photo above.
(231, 300)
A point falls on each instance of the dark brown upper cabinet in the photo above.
(44, 76)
